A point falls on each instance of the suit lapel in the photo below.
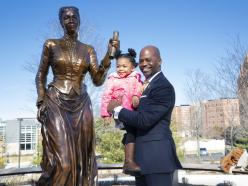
(153, 83)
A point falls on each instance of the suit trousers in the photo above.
(159, 179)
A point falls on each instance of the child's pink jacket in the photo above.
(117, 87)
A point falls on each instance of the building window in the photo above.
(2, 137)
(28, 137)
(2, 132)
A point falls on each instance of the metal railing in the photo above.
(186, 166)
(116, 179)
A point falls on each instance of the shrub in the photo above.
(108, 140)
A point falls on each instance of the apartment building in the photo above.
(209, 118)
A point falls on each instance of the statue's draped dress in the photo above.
(67, 122)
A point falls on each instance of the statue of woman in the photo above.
(64, 107)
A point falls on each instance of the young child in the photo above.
(125, 85)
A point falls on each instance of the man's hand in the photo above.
(113, 104)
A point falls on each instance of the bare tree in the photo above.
(223, 84)
(227, 69)
(197, 90)
(229, 83)
(231, 114)
(196, 87)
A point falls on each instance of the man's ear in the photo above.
(160, 62)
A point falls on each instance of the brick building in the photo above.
(212, 117)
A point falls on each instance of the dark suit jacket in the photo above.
(155, 148)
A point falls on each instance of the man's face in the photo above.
(70, 21)
(149, 62)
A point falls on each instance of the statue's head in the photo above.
(69, 19)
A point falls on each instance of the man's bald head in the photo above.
(154, 50)
(150, 61)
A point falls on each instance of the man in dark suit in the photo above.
(155, 150)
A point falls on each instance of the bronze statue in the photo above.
(64, 107)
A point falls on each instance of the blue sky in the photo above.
(190, 34)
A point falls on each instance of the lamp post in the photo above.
(19, 153)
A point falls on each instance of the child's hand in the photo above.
(112, 104)
(135, 101)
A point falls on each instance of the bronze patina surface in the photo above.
(64, 107)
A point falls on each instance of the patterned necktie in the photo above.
(145, 84)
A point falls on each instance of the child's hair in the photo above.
(131, 55)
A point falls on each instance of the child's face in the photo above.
(124, 67)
